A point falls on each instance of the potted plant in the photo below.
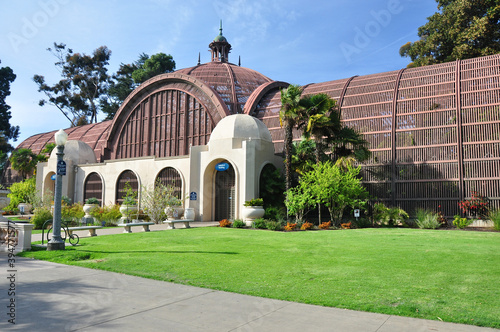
(174, 209)
(90, 203)
(129, 204)
(253, 209)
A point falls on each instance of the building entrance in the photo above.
(225, 194)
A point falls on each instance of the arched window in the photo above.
(124, 178)
(92, 187)
(170, 176)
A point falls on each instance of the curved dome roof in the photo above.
(240, 126)
(78, 152)
(220, 38)
(233, 83)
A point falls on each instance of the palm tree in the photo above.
(291, 115)
(24, 161)
(321, 122)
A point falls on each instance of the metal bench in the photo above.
(171, 223)
(128, 227)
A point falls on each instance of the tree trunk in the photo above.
(317, 152)
(288, 159)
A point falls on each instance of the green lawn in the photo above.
(442, 275)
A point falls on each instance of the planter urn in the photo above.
(126, 210)
(250, 213)
(174, 212)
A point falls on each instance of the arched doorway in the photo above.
(225, 192)
(93, 187)
(124, 178)
(49, 184)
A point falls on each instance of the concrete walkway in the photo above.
(55, 297)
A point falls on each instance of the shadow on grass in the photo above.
(71, 249)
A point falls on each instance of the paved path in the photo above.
(55, 297)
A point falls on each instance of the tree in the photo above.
(304, 156)
(154, 199)
(325, 127)
(157, 64)
(320, 123)
(335, 188)
(291, 114)
(462, 29)
(84, 81)
(7, 131)
(46, 151)
(129, 76)
(24, 161)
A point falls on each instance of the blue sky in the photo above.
(288, 40)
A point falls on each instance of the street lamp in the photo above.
(57, 243)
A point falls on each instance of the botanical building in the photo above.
(434, 133)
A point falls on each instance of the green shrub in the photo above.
(274, 225)
(238, 223)
(274, 212)
(92, 200)
(41, 215)
(259, 223)
(384, 216)
(362, 223)
(427, 219)
(254, 202)
(461, 222)
(72, 212)
(109, 214)
(495, 218)
(22, 192)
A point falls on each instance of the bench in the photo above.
(127, 227)
(171, 223)
(91, 229)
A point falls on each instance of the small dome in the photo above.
(78, 152)
(220, 38)
(240, 126)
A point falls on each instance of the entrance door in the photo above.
(225, 194)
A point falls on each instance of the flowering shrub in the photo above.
(224, 223)
(325, 225)
(477, 205)
(290, 226)
(305, 226)
(441, 219)
(346, 225)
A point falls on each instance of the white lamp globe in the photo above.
(61, 137)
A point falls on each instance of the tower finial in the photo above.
(220, 29)
(199, 58)
(239, 60)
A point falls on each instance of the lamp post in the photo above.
(57, 243)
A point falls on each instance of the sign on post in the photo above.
(61, 167)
